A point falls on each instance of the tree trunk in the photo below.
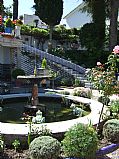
(1, 7)
(51, 30)
(15, 9)
(114, 4)
(50, 39)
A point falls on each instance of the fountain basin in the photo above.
(55, 127)
(16, 110)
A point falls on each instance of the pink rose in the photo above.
(116, 49)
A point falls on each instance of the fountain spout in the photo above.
(34, 99)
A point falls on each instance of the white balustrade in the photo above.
(55, 59)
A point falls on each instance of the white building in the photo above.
(30, 20)
(76, 18)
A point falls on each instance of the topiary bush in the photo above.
(16, 72)
(80, 141)
(44, 147)
(111, 130)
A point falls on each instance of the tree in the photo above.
(97, 9)
(113, 15)
(50, 12)
(1, 7)
(112, 7)
(36, 22)
(15, 9)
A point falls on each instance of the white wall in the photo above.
(29, 19)
(76, 19)
(5, 57)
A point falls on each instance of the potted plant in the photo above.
(9, 26)
(19, 22)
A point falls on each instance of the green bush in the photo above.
(78, 83)
(66, 81)
(43, 131)
(111, 130)
(17, 72)
(114, 109)
(80, 141)
(44, 63)
(83, 93)
(44, 147)
(8, 23)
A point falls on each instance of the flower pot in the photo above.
(74, 158)
(8, 30)
(106, 150)
(7, 35)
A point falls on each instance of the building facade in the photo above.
(76, 18)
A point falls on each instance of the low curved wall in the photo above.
(55, 127)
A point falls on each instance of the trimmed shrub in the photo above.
(83, 92)
(80, 141)
(114, 109)
(44, 147)
(17, 72)
(111, 130)
(104, 100)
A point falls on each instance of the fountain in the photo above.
(34, 105)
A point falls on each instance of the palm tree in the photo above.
(15, 9)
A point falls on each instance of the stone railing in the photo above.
(56, 59)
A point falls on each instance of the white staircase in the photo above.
(65, 66)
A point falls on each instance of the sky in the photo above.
(25, 6)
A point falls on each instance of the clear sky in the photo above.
(25, 6)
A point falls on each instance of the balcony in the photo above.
(8, 40)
